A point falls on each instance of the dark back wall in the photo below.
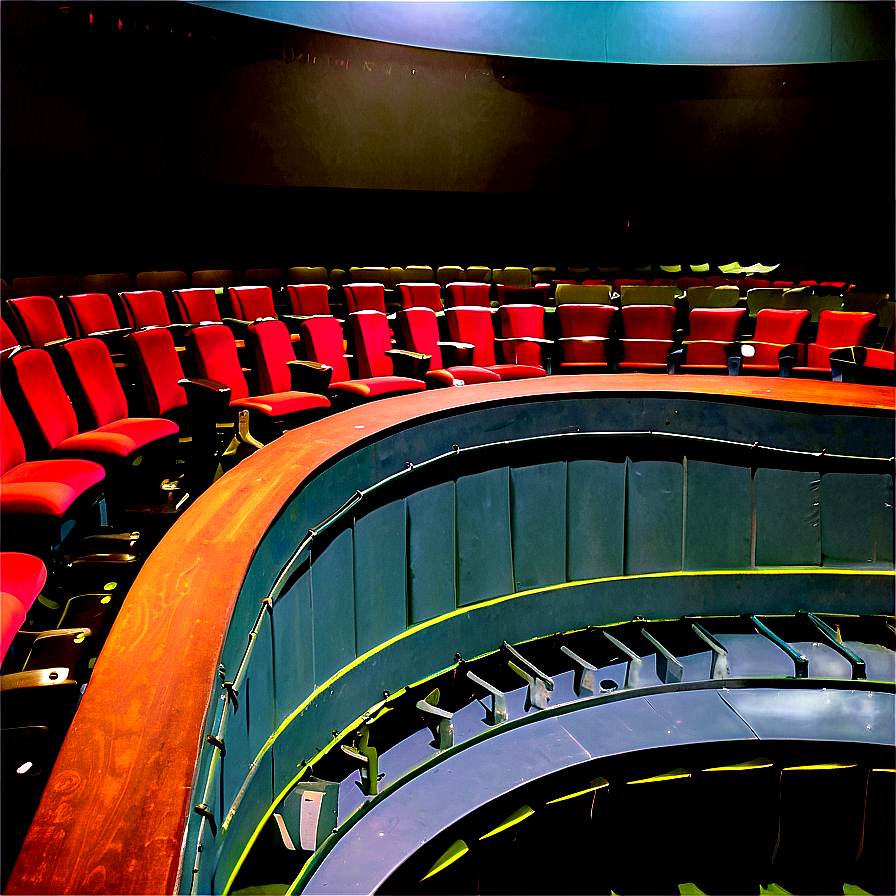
(186, 137)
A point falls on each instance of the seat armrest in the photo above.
(410, 364)
(310, 376)
(457, 354)
(676, 358)
(208, 396)
(239, 328)
(787, 359)
(293, 322)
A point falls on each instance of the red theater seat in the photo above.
(520, 295)
(469, 293)
(365, 297)
(776, 330)
(255, 302)
(420, 333)
(215, 355)
(584, 336)
(322, 340)
(197, 304)
(648, 337)
(522, 335)
(130, 449)
(473, 325)
(712, 330)
(41, 494)
(836, 330)
(92, 312)
(145, 308)
(309, 298)
(420, 295)
(39, 320)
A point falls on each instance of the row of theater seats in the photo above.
(683, 276)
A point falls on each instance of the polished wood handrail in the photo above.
(113, 814)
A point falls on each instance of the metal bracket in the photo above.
(439, 722)
(668, 667)
(217, 742)
(497, 713)
(366, 758)
(831, 639)
(632, 657)
(540, 685)
(231, 694)
(800, 663)
(720, 666)
(584, 684)
(203, 810)
(242, 428)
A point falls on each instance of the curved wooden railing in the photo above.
(118, 811)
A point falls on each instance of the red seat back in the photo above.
(156, 359)
(39, 319)
(92, 312)
(197, 305)
(715, 324)
(273, 349)
(145, 308)
(214, 352)
(518, 295)
(309, 298)
(474, 325)
(43, 395)
(7, 337)
(372, 340)
(251, 302)
(627, 281)
(420, 331)
(12, 448)
(838, 329)
(469, 293)
(365, 297)
(648, 321)
(99, 389)
(779, 326)
(421, 295)
(585, 320)
(322, 341)
(522, 320)
(689, 282)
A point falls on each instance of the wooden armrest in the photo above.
(310, 376)
(410, 364)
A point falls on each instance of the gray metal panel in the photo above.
(538, 524)
(826, 715)
(718, 512)
(595, 500)
(851, 517)
(254, 803)
(333, 606)
(485, 566)
(380, 572)
(293, 646)
(431, 552)
(654, 516)
(788, 532)
(885, 540)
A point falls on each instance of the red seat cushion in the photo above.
(469, 375)
(282, 403)
(379, 386)
(47, 486)
(12, 618)
(517, 371)
(22, 575)
(120, 438)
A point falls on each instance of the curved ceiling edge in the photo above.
(673, 32)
